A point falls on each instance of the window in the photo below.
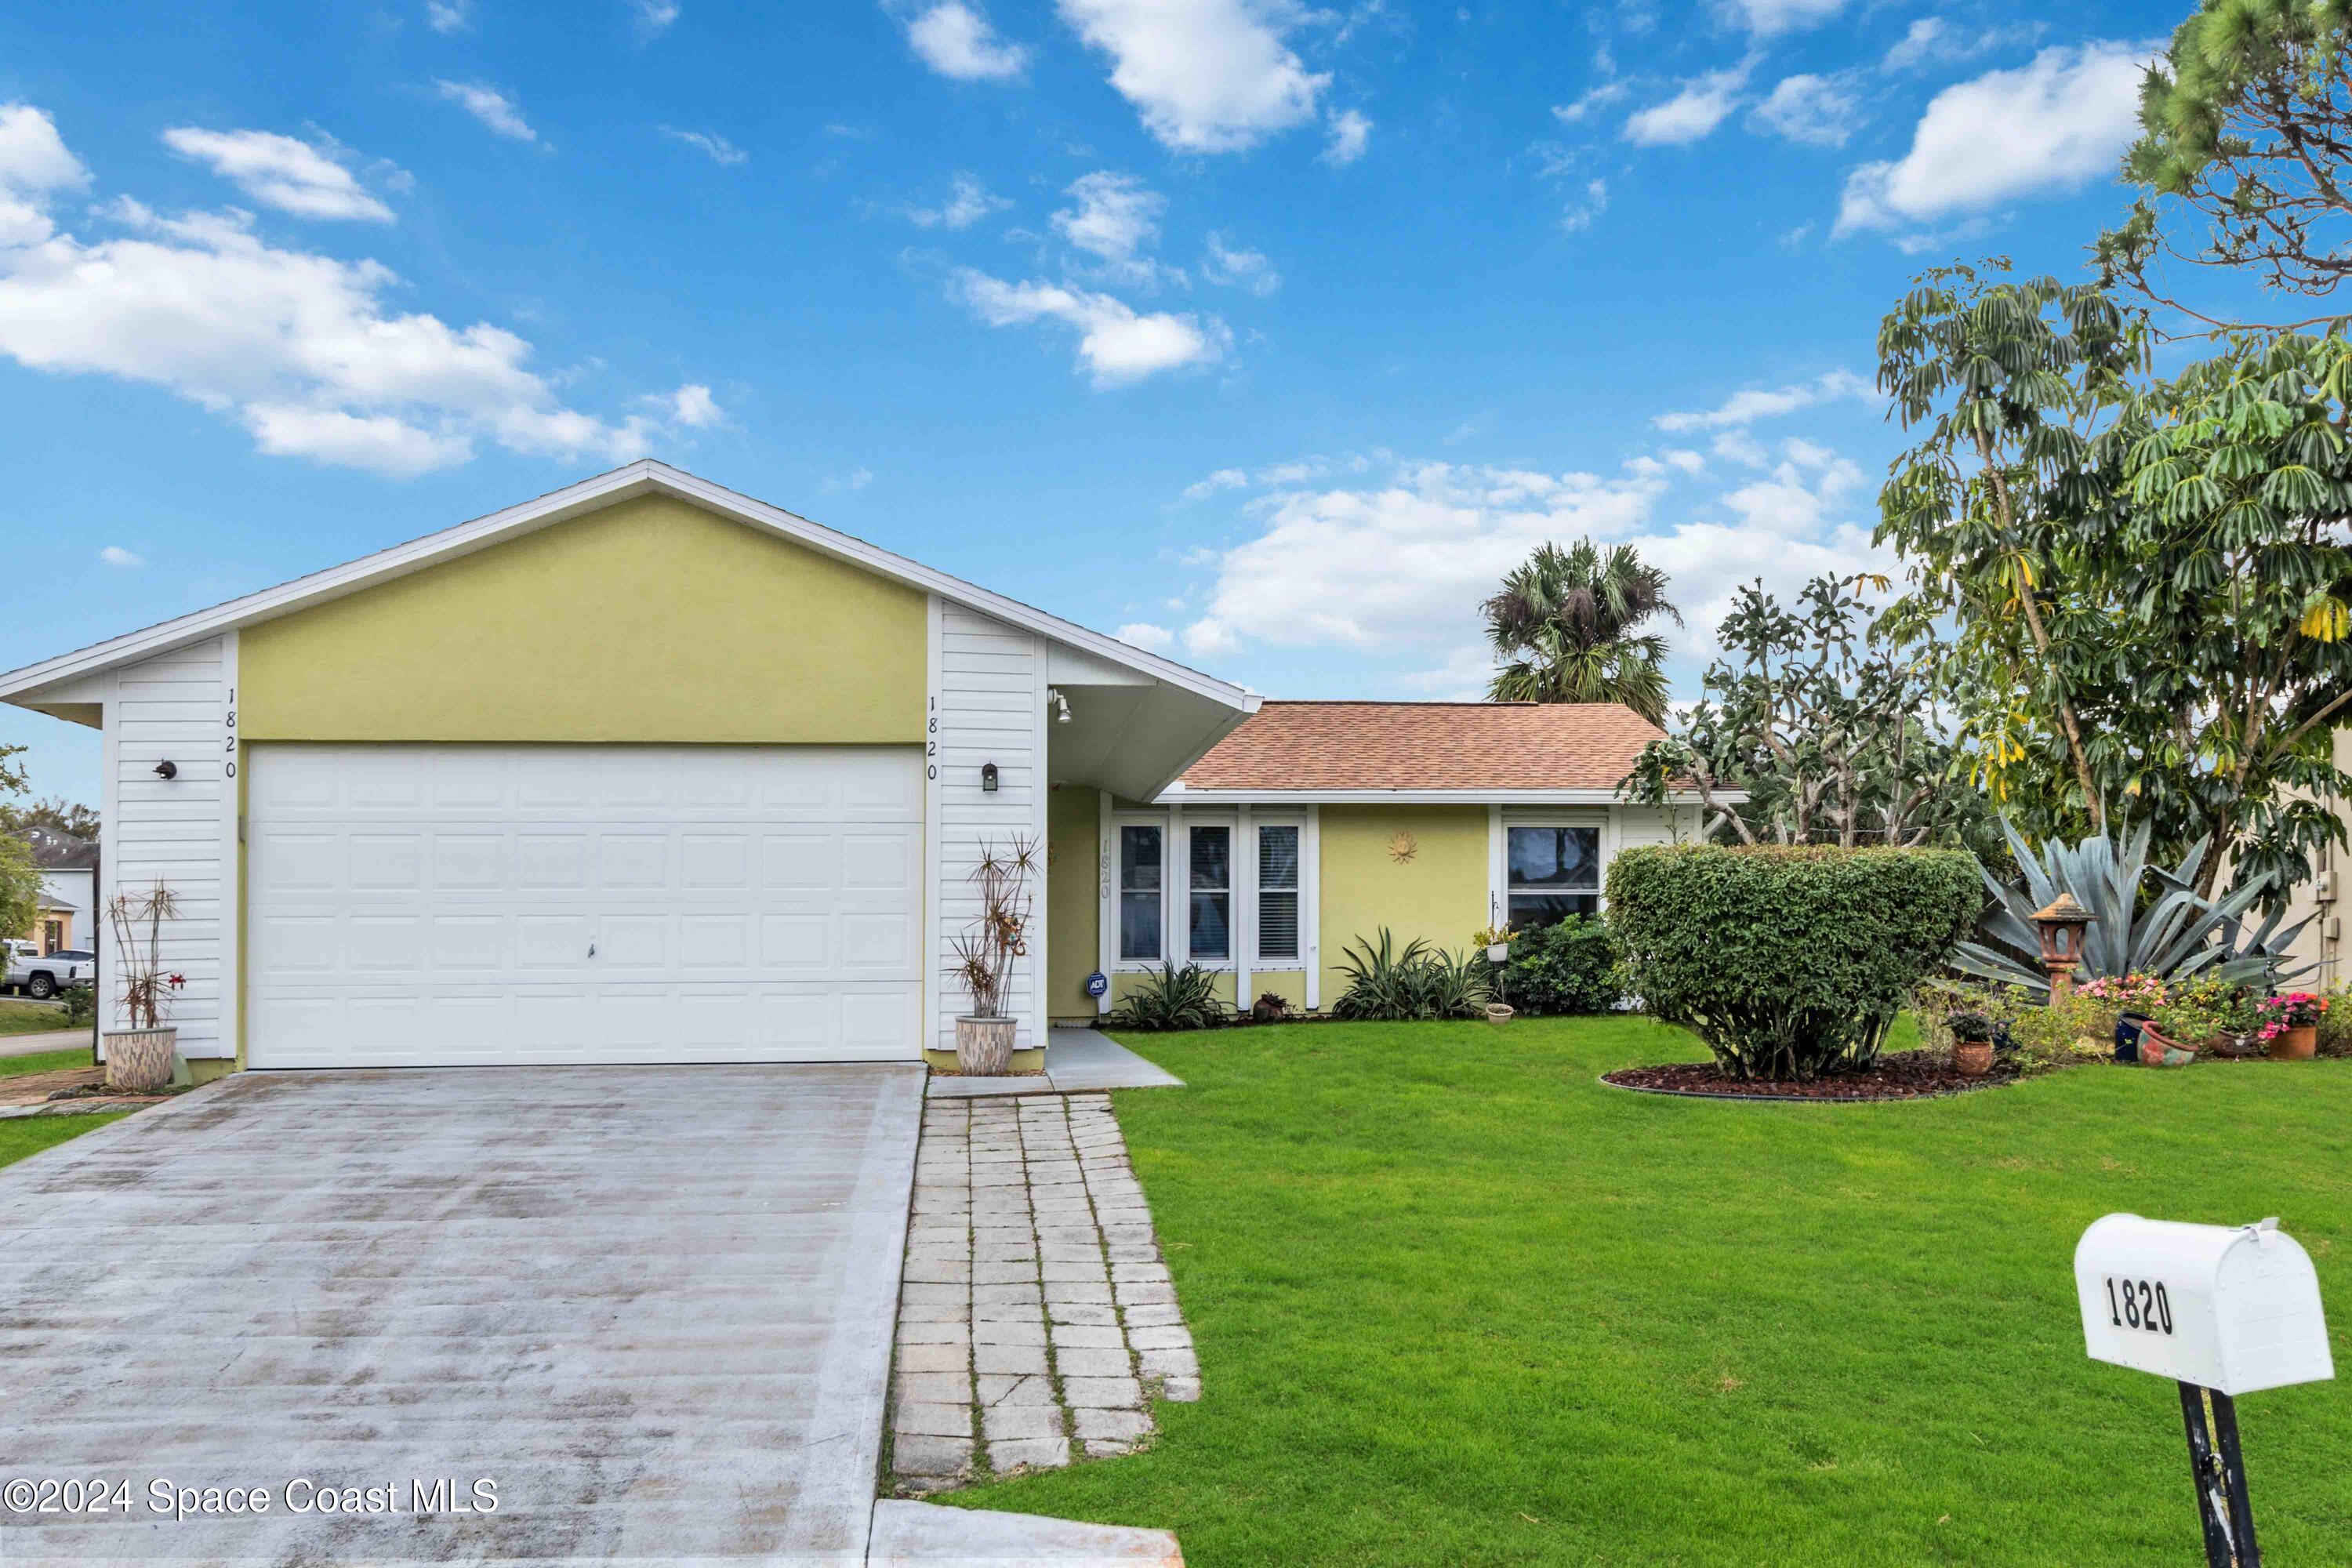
(1554, 872)
(1277, 892)
(53, 937)
(1139, 893)
(1212, 863)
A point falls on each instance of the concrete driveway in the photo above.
(653, 1306)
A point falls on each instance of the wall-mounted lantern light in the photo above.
(167, 769)
(988, 778)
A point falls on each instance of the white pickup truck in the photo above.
(42, 976)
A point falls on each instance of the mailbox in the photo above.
(2232, 1308)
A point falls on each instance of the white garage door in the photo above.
(416, 905)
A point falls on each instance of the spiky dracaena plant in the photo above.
(985, 949)
(2174, 934)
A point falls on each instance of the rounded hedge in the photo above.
(1788, 961)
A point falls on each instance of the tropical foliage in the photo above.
(1831, 733)
(2148, 921)
(1565, 626)
(2246, 130)
(1417, 981)
(1172, 998)
(1568, 966)
(20, 880)
(1789, 961)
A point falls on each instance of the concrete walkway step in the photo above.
(1077, 1061)
(932, 1535)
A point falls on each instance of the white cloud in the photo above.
(1580, 211)
(115, 555)
(1238, 268)
(1746, 407)
(33, 164)
(1144, 635)
(1766, 19)
(1461, 678)
(710, 143)
(693, 406)
(1115, 218)
(1592, 99)
(1222, 479)
(857, 479)
(1207, 76)
(1117, 344)
(448, 16)
(1816, 110)
(2058, 123)
(1351, 134)
(956, 40)
(654, 15)
(1925, 39)
(489, 106)
(1400, 569)
(1692, 114)
(279, 172)
(967, 202)
(299, 348)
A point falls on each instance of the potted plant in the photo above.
(1972, 1042)
(2288, 1024)
(1497, 941)
(2133, 996)
(2178, 1030)
(139, 1058)
(985, 952)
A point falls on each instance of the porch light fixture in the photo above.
(1055, 700)
(988, 778)
(2059, 925)
(167, 769)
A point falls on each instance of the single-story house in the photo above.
(644, 770)
(67, 909)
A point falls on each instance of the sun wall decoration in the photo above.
(1402, 848)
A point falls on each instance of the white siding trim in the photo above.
(934, 938)
(1241, 905)
(1498, 861)
(1310, 906)
(232, 917)
(1041, 834)
(1106, 883)
(990, 699)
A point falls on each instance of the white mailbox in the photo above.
(2234, 1308)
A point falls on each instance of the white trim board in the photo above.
(1179, 796)
(645, 477)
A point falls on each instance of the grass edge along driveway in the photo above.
(1458, 1303)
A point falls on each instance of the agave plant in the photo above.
(2176, 934)
(1173, 998)
(1417, 982)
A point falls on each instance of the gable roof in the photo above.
(1553, 749)
(55, 851)
(644, 476)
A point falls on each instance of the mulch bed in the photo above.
(1901, 1075)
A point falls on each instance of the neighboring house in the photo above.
(68, 913)
(2320, 943)
(644, 770)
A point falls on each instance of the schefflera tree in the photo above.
(1789, 962)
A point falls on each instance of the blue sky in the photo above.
(1270, 333)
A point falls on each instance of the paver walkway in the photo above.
(1036, 1317)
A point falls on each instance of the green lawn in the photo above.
(1457, 1304)
(45, 1061)
(23, 1135)
(29, 1017)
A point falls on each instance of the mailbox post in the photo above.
(2222, 1310)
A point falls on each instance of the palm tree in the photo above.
(1564, 624)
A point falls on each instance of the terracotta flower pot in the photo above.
(2159, 1050)
(1972, 1058)
(984, 1046)
(2299, 1043)
(140, 1061)
(1498, 1015)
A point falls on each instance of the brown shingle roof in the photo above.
(1427, 745)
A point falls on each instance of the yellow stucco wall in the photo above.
(1439, 895)
(652, 620)
(1072, 899)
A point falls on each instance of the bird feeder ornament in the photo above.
(2061, 924)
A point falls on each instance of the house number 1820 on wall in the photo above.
(2140, 1304)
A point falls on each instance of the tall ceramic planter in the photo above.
(2158, 1050)
(984, 1046)
(138, 1061)
(2298, 1044)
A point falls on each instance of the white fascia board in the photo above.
(1180, 796)
(641, 478)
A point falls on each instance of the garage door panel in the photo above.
(419, 905)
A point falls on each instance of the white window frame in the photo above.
(1293, 962)
(1115, 891)
(1499, 824)
(1233, 950)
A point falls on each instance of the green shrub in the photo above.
(1173, 998)
(82, 1007)
(1787, 962)
(1420, 981)
(1569, 966)
(2079, 1028)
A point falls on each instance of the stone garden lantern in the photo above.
(2060, 925)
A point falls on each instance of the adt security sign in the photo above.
(2222, 1310)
